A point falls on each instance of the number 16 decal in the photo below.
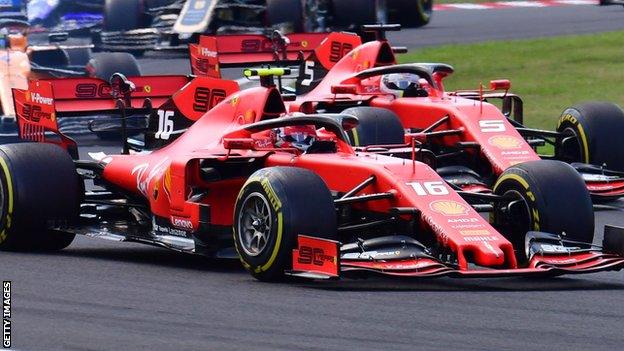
(165, 125)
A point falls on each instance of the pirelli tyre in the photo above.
(39, 189)
(274, 206)
(104, 65)
(123, 15)
(547, 196)
(596, 129)
(410, 13)
(359, 12)
(279, 12)
(377, 126)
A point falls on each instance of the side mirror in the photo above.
(500, 84)
(239, 143)
(58, 37)
(344, 89)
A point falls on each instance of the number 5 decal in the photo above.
(165, 125)
(309, 73)
(492, 126)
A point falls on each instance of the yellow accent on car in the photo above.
(265, 72)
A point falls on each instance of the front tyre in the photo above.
(410, 13)
(359, 12)
(273, 208)
(39, 189)
(595, 132)
(547, 196)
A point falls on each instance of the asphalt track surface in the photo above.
(100, 295)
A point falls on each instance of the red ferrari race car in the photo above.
(469, 141)
(288, 194)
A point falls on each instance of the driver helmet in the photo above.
(299, 137)
(398, 83)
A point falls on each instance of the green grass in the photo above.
(550, 74)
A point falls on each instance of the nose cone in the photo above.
(487, 254)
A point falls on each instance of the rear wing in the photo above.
(215, 52)
(182, 99)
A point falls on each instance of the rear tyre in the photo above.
(552, 198)
(79, 56)
(359, 12)
(275, 206)
(123, 15)
(377, 126)
(410, 13)
(39, 186)
(597, 128)
(104, 65)
(286, 11)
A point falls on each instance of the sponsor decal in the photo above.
(147, 89)
(463, 220)
(479, 238)
(6, 314)
(143, 178)
(304, 43)
(448, 208)
(39, 99)
(207, 52)
(166, 230)
(182, 223)
(474, 232)
(505, 142)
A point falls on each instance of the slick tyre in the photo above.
(104, 65)
(79, 56)
(275, 206)
(547, 196)
(123, 15)
(359, 12)
(286, 11)
(39, 188)
(596, 129)
(410, 13)
(377, 126)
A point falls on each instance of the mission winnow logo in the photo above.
(6, 314)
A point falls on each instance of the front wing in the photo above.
(321, 259)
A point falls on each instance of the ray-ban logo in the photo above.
(6, 314)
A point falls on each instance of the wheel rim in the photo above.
(254, 224)
(575, 155)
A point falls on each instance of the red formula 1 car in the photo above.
(288, 193)
(469, 141)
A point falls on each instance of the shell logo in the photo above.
(27, 96)
(505, 142)
(304, 43)
(448, 208)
